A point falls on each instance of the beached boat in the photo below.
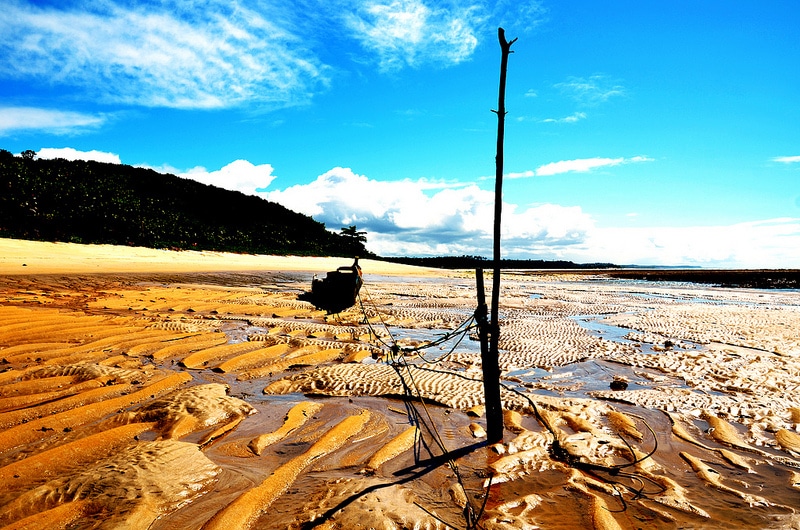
(337, 291)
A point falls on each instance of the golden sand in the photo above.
(245, 510)
(33, 257)
(192, 389)
(397, 446)
(297, 416)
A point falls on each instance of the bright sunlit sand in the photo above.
(136, 392)
(35, 257)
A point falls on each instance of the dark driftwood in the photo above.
(491, 369)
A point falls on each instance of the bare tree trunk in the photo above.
(491, 368)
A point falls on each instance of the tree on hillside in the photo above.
(96, 202)
(354, 240)
(354, 234)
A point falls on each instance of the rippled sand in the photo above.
(186, 398)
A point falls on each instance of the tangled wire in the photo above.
(396, 356)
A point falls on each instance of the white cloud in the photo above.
(429, 218)
(583, 165)
(424, 217)
(68, 153)
(408, 32)
(227, 53)
(239, 175)
(165, 168)
(520, 175)
(543, 228)
(59, 122)
(401, 219)
(579, 165)
(772, 243)
(341, 196)
(590, 91)
(786, 159)
(518, 16)
(573, 118)
(165, 54)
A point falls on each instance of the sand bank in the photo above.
(136, 393)
(35, 257)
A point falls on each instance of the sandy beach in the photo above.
(145, 388)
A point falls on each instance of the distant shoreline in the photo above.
(737, 278)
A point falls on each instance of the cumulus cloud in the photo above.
(342, 196)
(543, 229)
(69, 153)
(427, 218)
(59, 122)
(162, 54)
(239, 175)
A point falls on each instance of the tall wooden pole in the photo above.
(491, 368)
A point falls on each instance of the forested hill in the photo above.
(94, 202)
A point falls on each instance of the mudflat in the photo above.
(153, 389)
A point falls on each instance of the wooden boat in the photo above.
(337, 291)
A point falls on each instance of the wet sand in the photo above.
(153, 389)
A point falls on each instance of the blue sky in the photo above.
(662, 133)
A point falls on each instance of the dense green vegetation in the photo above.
(94, 202)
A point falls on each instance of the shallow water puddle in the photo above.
(599, 327)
